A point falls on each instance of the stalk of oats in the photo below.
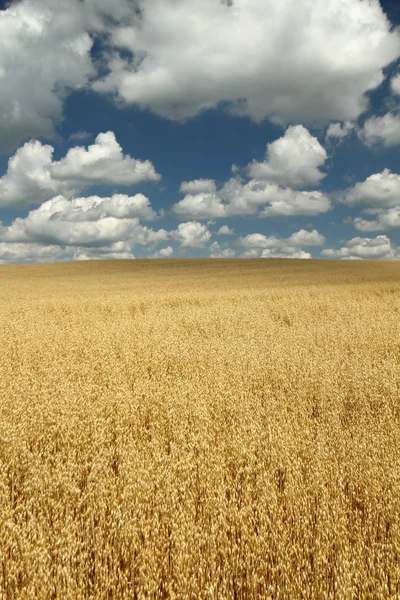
(200, 429)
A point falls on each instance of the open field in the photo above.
(200, 429)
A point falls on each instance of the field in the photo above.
(200, 429)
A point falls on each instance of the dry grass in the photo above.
(200, 429)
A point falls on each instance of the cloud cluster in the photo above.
(257, 57)
(237, 198)
(179, 58)
(385, 219)
(89, 222)
(33, 177)
(359, 247)
(258, 244)
(291, 162)
(378, 196)
(218, 250)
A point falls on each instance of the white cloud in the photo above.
(307, 238)
(293, 160)
(380, 190)
(384, 130)
(386, 219)
(239, 198)
(359, 247)
(102, 163)
(249, 198)
(198, 186)
(118, 250)
(340, 130)
(395, 84)
(274, 247)
(200, 206)
(28, 180)
(296, 254)
(287, 202)
(192, 234)
(89, 222)
(258, 57)
(164, 252)
(218, 251)
(21, 253)
(44, 51)
(33, 177)
(225, 230)
(253, 253)
(259, 240)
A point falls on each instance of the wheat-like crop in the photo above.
(200, 429)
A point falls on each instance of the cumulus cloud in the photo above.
(33, 177)
(395, 84)
(258, 244)
(253, 253)
(36, 37)
(166, 252)
(198, 186)
(102, 163)
(28, 180)
(287, 202)
(29, 253)
(384, 130)
(256, 57)
(340, 130)
(380, 190)
(255, 197)
(296, 254)
(45, 52)
(293, 160)
(359, 247)
(179, 58)
(200, 206)
(386, 219)
(218, 251)
(307, 238)
(192, 234)
(225, 230)
(89, 222)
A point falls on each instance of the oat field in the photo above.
(200, 429)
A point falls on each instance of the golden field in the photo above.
(200, 429)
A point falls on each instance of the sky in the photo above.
(199, 128)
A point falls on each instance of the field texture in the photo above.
(200, 429)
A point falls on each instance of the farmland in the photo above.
(200, 429)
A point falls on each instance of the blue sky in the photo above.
(169, 128)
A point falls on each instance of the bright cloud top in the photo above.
(381, 190)
(33, 177)
(292, 160)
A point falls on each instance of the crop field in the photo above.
(198, 429)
